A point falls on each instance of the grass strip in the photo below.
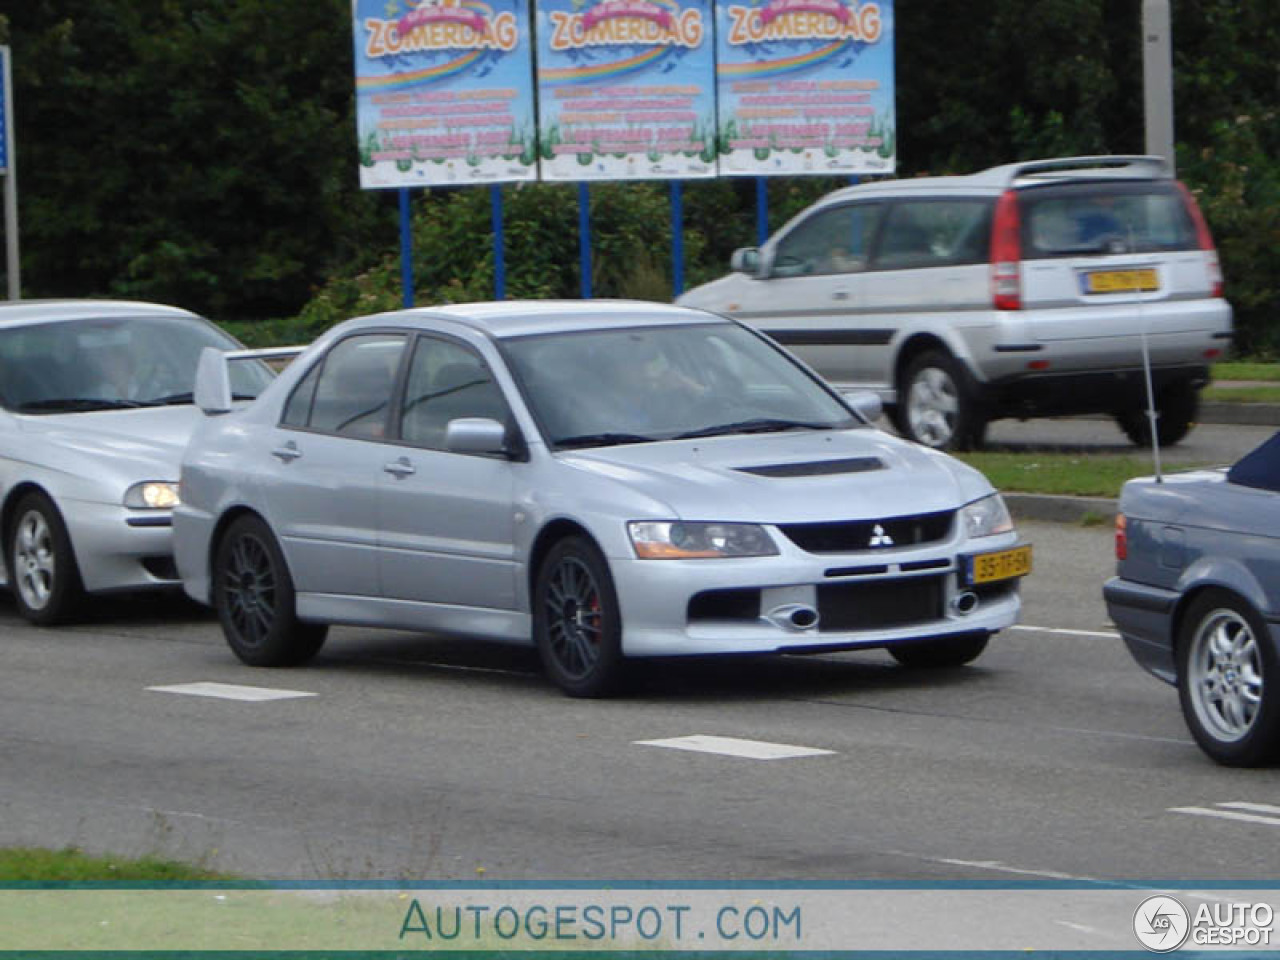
(1246, 370)
(1067, 474)
(38, 865)
(1251, 394)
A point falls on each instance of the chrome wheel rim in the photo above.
(575, 623)
(1224, 675)
(249, 586)
(932, 405)
(34, 560)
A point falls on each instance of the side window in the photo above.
(447, 381)
(834, 240)
(355, 383)
(934, 233)
(297, 412)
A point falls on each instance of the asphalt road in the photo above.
(417, 759)
(1206, 443)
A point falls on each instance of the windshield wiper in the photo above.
(602, 440)
(174, 399)
(756, 425)
(76, 405)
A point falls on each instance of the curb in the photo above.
(1241, 414)
(1059, 509)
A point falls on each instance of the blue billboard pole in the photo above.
(584, 238)
(8, 169)
(406, 249)
(499, 243)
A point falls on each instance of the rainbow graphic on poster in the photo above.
(444, 92)
(626, 89)
(805, 87)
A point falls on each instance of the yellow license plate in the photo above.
(1121, 281)
(1004, 565)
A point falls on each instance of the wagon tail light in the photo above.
(1122, 537)
(1204, 239)
(1006, 254)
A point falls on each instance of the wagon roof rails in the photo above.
(1137, 165)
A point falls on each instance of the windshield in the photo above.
(604, 387)
(112, 363)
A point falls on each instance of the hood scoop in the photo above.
(818, 468)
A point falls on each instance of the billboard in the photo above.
(805, 87)
(444, 92)
(626, 89)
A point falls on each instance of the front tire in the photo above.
(255, 599)
(944, 653)
(936, 407)
(43, 572)
(576, 621)
(1227, 681)
(1179, 405)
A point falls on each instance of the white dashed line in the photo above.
(1235, 811)
(230, 691)
(733, 747)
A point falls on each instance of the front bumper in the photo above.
(114, 554)
(873, 598)
(1144, 616)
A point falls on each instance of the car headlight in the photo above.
(677, 540)
(152, 495)
(986, 517)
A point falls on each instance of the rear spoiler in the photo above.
(1112, 165)
(212, 392)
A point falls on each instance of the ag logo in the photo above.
(879, 538)
(1161, 924)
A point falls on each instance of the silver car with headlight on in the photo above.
(606, 480)
(95, 409)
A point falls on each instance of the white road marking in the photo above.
(1001, 867)
(230, 691)
(1218, 810)
(1067, 632)
(1255, 807)
(733, 747)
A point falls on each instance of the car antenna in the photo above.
(1152, 414)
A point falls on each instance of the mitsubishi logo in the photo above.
(879, 538)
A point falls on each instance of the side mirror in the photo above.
(865, 404)
(475, 435)
(212, 392)
(746, 260)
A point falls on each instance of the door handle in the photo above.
(400, 468)
(288, 453)
(840, 295)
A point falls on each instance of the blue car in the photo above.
(1197, 598)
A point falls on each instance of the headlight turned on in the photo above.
(678, 540)
(152, 495)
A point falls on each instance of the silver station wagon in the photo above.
(607, 480)
(1022, 291)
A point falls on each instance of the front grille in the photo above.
(850, 536)
(879, 604)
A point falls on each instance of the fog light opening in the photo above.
(965, 603)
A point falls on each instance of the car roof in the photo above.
(511, 318)
(1022, 174)
(15, 312)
